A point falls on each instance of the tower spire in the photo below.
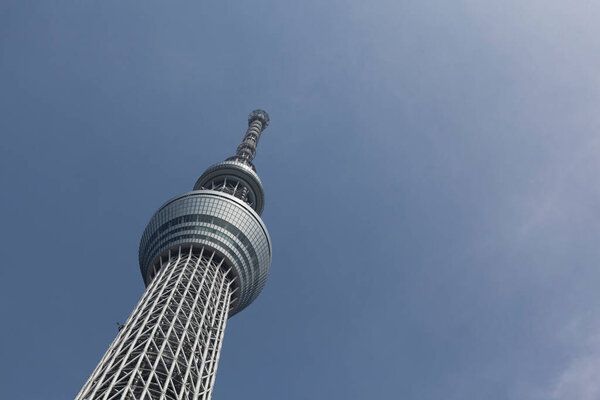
(258, 120)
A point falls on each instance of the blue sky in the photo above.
(431, 177)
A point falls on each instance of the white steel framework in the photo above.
(205, 255)
(169, 347)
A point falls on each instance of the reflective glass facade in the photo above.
(215, 219)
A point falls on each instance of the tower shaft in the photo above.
(205, 255)
(169, 347)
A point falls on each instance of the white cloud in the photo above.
(568, 191)
(580, 379)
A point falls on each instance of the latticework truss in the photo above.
(169, 348)
(233, 186)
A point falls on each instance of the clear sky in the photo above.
(431, 176)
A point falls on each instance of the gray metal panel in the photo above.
(239, 170)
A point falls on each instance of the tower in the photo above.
(204, 256)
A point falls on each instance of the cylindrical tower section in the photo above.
(234, 178)
(215, 220)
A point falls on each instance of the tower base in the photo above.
(169, 347)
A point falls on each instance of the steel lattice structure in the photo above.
(204, 256)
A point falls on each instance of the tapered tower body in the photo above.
(204, 256)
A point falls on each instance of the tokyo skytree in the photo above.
(204, 256)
